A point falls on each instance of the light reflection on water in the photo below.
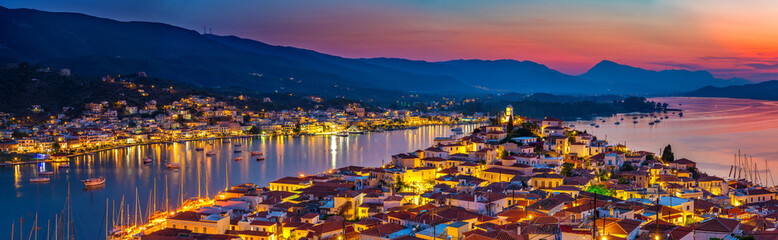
(125, 171)
(710, 132)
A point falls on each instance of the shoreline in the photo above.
(66, 159)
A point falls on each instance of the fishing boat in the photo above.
(94, 181)
(238, 158)
(46, 173)
(261, 158)
(210, 153)
(173, 165)
(40, 180)
(255, 153)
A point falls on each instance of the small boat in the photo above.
(210, 153)
(147, 160)
(46, 173)
(173, 165)
(64, 165)
(237, 145)
(237, 150)
(226, 141)
(296, 136)
(597, 126)
(255, 153)
(592, 124)
(342, 134)
(40, 180)
(622, 119)
(650, 123)
(457, 130)
(199, 148)
(261, 158)
(239, 158)
(571, 126)
(635, 122)
(94, 181)
(617, 123)
(603, 120)
(680, 114)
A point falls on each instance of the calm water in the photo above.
(285, 156)
(710, 132)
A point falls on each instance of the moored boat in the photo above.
(261, 158)
(255, 153)
(210, 153)
(40, 180)
(237, 150)
(46, 173)
(238, 158)
(94, 181)
(173, 165)
(237, 144)
(199, 148)
(147, 160)
(64, 165)
(342, 134)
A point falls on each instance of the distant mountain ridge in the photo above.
(97, 46)
(767, 90)
(623, 77)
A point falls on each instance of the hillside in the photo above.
(97, 46)
(767, 90)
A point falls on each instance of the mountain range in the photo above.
(98, 46)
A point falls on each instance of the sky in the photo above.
(727, 38)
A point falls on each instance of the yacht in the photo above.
(94, 181)
(342, 134)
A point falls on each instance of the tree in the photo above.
(667, 154)
(567, 169)
(253, 130)
(56, 146)
(627, 167)
(509, 126)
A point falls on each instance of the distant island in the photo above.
(767, 90)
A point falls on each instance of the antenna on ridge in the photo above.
(204, 32)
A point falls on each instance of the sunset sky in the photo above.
(727, 38)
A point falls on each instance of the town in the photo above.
(554, 183)
(106, 125)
